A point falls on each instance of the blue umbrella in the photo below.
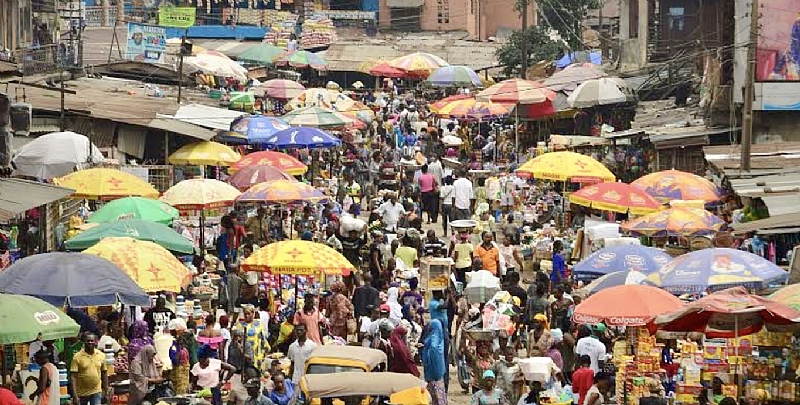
(621, 258)
(73, 279)
(593, 57)
(253, 129)
(613, 279)
(301, 137)
(716, 269)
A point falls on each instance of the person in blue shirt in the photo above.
(438, 310)
(559, 272)
(283, 390)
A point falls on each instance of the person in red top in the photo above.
(8, 398)
(430, 198)
(583, 378)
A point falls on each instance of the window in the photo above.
(676, 18)
(443, 9)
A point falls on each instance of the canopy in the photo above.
(438, 105)
(716, 269)
(454, 76)
(670, 185)
(359, 383)
(471, 109)
(727, 314)
(301, 137)
(105, 184)
(602, 91)
(20, 195)
(252, 175)
(135, 208)
(280, 191)
(254, 129)
(371, 357)
(385, 69)
(617, 197)
(643, 259)
(24, 318)
(263, 54)
(280, 88)
(517, 91)
(302, 59)
(566, 166)
(54, 155)
(204, 153)
(200, 194)
(74, 279)
(150, 265)
(789, 295)
(217, 64)
(278, 160)
(316, 117)
(573, 75)
(133, 228)
(613, 279)
(677, 221)
(298, 257)
(625, 305)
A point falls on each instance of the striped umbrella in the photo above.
(280, 88)
(454, 76)
(419, 63)
(472, 109)
(517, 91)
(316, 117)
(280, 191)
(436, 106)
(274, 159)
(302, 59)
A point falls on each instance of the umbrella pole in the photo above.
(296, 290)
(202, 233)
(516, 133)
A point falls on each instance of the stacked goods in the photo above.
(282, 24)
(318, 32)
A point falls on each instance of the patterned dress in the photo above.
(256, 335)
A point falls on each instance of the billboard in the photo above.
(146, 43)
(777, 97)
(180, 17)
(778, 51)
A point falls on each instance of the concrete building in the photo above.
(481, 19)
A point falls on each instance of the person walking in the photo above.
(310, 317)
(430, 200)
(143, 371)
(88, 373)
(47, 389)
(341, 309)
(446, 193)
(463, 197)
(402, 361)
(433, 363)
(299, 351)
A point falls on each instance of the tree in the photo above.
(566, 18)
(540, 47)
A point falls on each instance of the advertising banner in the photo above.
(146, 43)
(180, 17)
(778, 52)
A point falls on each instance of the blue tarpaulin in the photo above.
(594, 57)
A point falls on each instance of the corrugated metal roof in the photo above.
(782, 204)
(766, 185)
(774, 222)
(778, 156)
(205, 116)
(228, 47)
(21, 195)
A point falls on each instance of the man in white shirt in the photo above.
(299, 352)
(391, 211)
(463, 197)
(592, 347)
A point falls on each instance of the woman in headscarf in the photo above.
(402, 360)
(412, 323)
(554, 351)
(395, 309)
(540, 341)
(433, 363)
(255, 332)
(179, 355)
(341, 309)
(144, 370)
(140, 337)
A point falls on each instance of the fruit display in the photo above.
(439, 281)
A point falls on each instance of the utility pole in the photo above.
(524, 44)
(747, 108)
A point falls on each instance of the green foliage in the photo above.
(540, 47)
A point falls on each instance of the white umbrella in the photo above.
(451, 140)
(594, 92)
(55, 155)
(217, 64)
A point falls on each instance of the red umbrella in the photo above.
(533, 111)
(387, 70)
(626, 305)
(250, 175)
(727, 314)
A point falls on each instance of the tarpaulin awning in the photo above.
(18, 196)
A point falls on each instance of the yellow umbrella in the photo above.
(151, 266)
(104, 184)
(298, 257)
(204, 153)
(200, 194)
(566, 166)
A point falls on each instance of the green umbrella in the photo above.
(24, 317)
(264, 54)
(135, 207)
(159, 234)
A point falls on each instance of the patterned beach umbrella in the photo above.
(419, 63)
(302, 59)
(280, 88)
(566, 166)
(316, 117)
(676, 221)
(517, 91)
(298, 257)
(278, 160)
(617, 197)
(677, 185)
(471, 109)
(280, 191)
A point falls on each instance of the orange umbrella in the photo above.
(472, 109)
(617, 197)
(626, 305)
(517, 91)
(435, 107)
(277, 160)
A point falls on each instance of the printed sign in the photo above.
(778, 53)
(146, 43)
(180, 17)
(46, 317)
